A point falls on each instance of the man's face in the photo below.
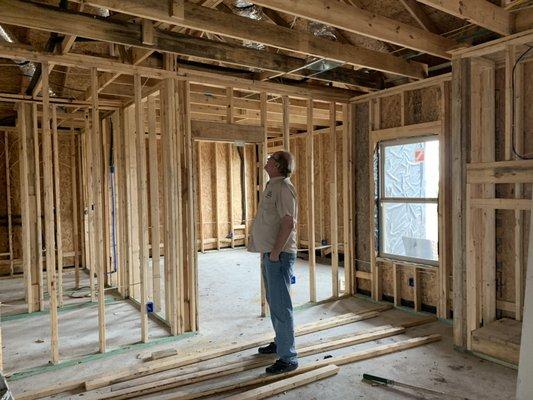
(271, 166)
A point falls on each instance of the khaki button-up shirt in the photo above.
(277, 200)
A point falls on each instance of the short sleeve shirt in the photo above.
(277, 200)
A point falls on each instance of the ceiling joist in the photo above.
(478, 12)
(70, 23)
(323, 93)
(231, 25)
(356, 20)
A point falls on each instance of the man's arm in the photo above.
(287, 225)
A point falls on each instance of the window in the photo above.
(407, 193)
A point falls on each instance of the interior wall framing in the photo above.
(81, 176)
(418, 109)
(493, 187)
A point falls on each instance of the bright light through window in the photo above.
(408, 198)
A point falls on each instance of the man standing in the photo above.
(274, 236)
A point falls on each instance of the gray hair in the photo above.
(285, 162)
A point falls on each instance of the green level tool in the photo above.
(378, 380)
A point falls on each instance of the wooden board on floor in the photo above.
(287, 384)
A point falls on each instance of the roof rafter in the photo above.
(419, 15)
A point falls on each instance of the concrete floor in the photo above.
(228, 309)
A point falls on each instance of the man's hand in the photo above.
(274, 257)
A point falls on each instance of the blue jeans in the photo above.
(277, 278)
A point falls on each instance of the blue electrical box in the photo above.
(150, 306)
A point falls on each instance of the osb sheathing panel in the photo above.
(390, 111)
(222, 186)
(422, 105)
(318, 168)
(14, 176)
(220, 183)
(299, 180)
(208, 187)
(251, 170)
(326, 183)
(387, 279)
(10, 77)
(65, 184)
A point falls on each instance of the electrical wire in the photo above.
(513, 133)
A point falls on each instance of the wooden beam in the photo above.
(351, 119)
(311, 201)
(286, 126)
(211, 78)
(356, 20)
(87, 156)
(396, 285)
(525, 368)
(479, 12)
(55, 20)
(419, 15)
(171, 227)
(189, 223)
(177, 361)
(200, 197)
(519, 216)
(26, 239)
(334, 233)
(48, 190)
(261, 173)
(217, 202)
(143, 206)
(224, 132)
(444, 206)
(154, 203)
(57, 207)
(228, 24)
(286, 384)
(417, 274)
(407, 131)
(8, 203)
(64, 46)
(38, 224)
(374, 124)
(119, 139)
(501, 204)
(230, 120)
(74, 194)
(502, 176)
(98, 213)
(523, 20)
(459, 128)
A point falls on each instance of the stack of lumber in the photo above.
(163, 372)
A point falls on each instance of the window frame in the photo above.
(381, 198)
